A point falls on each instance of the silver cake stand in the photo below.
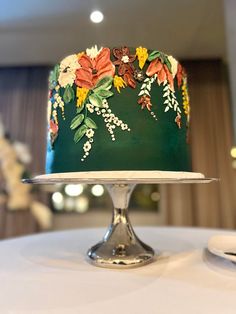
(120, 247)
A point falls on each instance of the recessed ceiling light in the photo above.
(96, 17)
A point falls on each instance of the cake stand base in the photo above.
(120, 247)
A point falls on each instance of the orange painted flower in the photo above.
(53, 131)
(53, 127)
(162, 71)
(145, 102)
(93, 69)
(180, 74)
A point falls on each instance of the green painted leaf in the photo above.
(90, 123)
(168, 64)
(153, 55)
(162, 57)
(104, 93)
(76, 121)
(80, 133)
(69, 94)
(104, 83)
(79, 109)
(95, 100)
(53, 77)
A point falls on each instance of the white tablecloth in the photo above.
(48, 274)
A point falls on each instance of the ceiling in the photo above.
(43, 31)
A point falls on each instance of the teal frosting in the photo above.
(149, 145)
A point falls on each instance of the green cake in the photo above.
(121, 108)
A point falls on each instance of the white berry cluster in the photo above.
(111, 121)
(153, 115)
(58, 102)
(88, 144)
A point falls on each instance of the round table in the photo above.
(48, 274)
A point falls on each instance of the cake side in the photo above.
(118, 109)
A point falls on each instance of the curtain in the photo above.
(23, 99)
(214, 204)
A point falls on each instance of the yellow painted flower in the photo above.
(142, 55)
(81, 93)
(186, 104)
(80, 54)
(119, 83)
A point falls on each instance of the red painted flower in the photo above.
(145, 101)
(178, 121)
(93, 69)
(125, 66)
(180, 74)
(162, 71)
(53, 127)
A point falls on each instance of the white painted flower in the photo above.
(67, 78)
(90, 108)
(87, 146)
(93, 51)
(90, 133)
(68, 67)
(70, 63)
(174, 65)
(124, 126)
(105, 104)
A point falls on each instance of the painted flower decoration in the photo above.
(178, 120)
(93, 67)
(53, 130)
(162, 71)
(81, 94)
(90, 133)
(174, 65)
(180, 74)
(119, 83)
(139, 75)
(125, 66)
(89, 79)
(53, 127)
(68, 67)
(145, 102)
(142, 55)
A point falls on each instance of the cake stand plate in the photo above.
(121, 177)
(120, 247)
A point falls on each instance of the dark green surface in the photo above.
(150, 145)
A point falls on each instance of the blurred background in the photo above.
(35, 34)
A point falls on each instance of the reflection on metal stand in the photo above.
(120, 246)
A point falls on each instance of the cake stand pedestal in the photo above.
(120, 247)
